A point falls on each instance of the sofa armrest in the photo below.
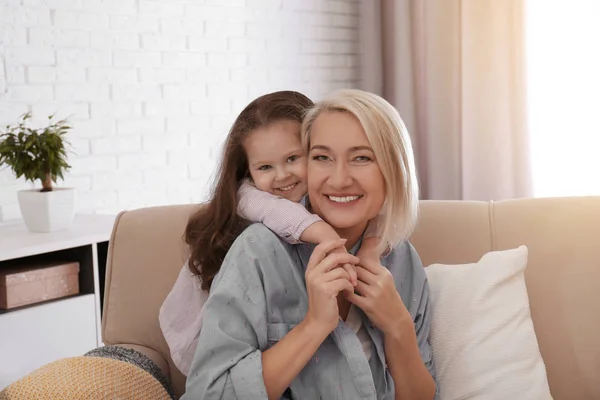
(105, 372)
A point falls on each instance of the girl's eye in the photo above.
(320, 158)
(362, 159)
(292, 158)
(264, 168)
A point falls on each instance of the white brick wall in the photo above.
(152, 86)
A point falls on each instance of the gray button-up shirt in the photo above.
(259, 295)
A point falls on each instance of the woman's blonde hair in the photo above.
(392, 146)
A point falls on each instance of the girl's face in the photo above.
(345, 185)
(276, 160)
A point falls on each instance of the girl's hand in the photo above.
(320, 232)
(377, 296)
(368, 250)
(350, 268)
(324, 280)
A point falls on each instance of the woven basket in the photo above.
(87, 377)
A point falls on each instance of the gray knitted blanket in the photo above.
(136, 358)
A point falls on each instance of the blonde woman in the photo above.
(282, 321)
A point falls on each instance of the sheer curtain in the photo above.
(455, 70)
(502, 97)
(563, 84)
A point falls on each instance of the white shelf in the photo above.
(37, 334)
(16, 241)
(34, 336)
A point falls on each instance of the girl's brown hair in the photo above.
(211, 231)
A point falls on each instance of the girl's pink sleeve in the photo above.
(180, 318)
(284, 217)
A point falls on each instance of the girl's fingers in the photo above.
(321, 251)
(373, 267)
(335, 274)
(340, 285)
(365, 275)
(352, 273)
(363, 289)
(357, 300)
(333, 260)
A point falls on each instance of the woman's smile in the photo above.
(344, 200)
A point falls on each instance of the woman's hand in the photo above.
(378, 298)
(324, 280)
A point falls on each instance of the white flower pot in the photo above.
(47, 211)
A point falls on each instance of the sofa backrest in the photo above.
(563, 277)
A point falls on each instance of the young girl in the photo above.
(262, 178)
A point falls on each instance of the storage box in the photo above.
(30, 284)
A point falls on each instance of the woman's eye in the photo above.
(292, 158)
(264, 168)
(320, 158)
(362, 159)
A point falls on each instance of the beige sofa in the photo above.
(563, 278)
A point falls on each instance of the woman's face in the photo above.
(345, 185)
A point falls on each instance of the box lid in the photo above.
(37, 271)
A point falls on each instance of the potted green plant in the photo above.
(40, 155)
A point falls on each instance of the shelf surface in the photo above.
(17, 241)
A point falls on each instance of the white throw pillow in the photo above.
(482, 336)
